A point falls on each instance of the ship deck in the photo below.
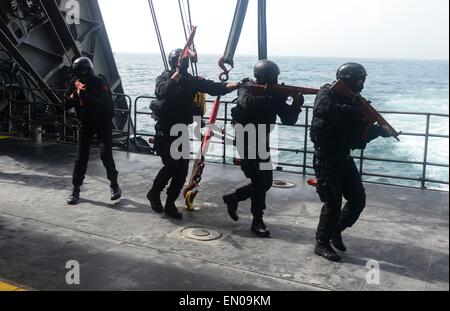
(125, 246)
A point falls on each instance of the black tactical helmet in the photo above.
(174, 57)
(267, 72)
(351, 71)
(354, 75)
(82, 66)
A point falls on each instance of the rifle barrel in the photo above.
(285, 89)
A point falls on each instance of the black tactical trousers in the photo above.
(338, 178)
(261, 182)
(85, 135)
(173, 170)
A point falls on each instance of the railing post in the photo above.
(129, 122)
(425, 157)
(135, 118)
(305, 146)
(361, 163)
(29, 118)
(224, 135)
(10, 127)
(65, 125)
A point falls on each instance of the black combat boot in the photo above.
(338, 243)
(325, 250)
(171, 209)
(74, 197)
(260, 229)
(155, 201)
(232, 203)
(116, 192)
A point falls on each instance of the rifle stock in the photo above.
(187, 51)
(80, 86)
(369, 112)
(287, 90)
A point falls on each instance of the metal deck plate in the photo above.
(283, 184)
(201, 234)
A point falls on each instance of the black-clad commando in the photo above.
(91, 97)
(259, 111)
(175, 91)
(336, 129)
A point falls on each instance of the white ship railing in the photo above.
(134, 129)
(423, 181)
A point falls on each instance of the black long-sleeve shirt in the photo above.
(338, 124)
(262, 110)
(94, 106)
(178, 97)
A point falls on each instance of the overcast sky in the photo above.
(409, 29)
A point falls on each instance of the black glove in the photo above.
(378, 131)
(244, 82)
(383, 131)
(299, 100)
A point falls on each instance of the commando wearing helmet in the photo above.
(175, 92)
(336, 129)
(259, 112)
(91, 97)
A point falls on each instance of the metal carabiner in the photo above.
(225, 75)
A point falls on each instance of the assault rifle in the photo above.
(188, 52)
(369, 112)
(282, 89)
(80, 86)
(371, 115)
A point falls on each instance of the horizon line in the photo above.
(303, 56)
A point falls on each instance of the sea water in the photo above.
(419, 86)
